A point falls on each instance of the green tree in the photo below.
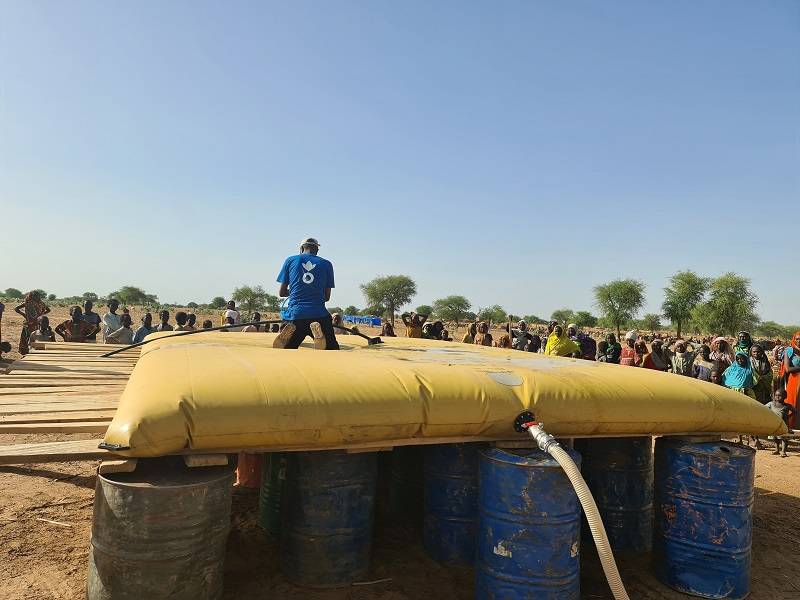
(42, 293)
(619, 300)
(91, 296)
(730, 306)
(51, 297)
(685, 291)
(534, 320)
(492, 314)
(251, 298)
(272, 303)
(218, 302)
(563, 315)
(390, 292)
(13, 293)
(650, 322)
(583, 318)
(424, 309)
(771, 329)
(351, 310)
(129, 294)
(193, 305)
(452, 308)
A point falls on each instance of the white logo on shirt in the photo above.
(308, 277)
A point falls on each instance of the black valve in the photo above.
(522, 418)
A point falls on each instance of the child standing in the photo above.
(784, 411)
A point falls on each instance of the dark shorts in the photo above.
(303, 330)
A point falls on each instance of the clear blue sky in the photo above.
(517, 153)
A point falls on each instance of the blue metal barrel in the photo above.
(703, 524)
(451, 502)
(328, 515)
(619, 472)
(528, 529)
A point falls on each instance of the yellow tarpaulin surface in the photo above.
(233, 390)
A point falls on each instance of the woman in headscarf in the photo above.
(587, 344)
(681, 360)
(721, 352)
(744, 343)
(614, 350)
(535, 343)
(628, 355)
(640, 347)
(31, 309)
(790, 374)
(739, 376)
(655, 359)
(483, 337)
(762, 374)
(469, 334)
(559, 344)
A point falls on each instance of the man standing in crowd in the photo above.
(92, 318)
(111, 320)
(307, 280)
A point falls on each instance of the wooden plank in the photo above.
(60, 390)
(55, 417)
(8, 382)
(61, 407)
(42, 452)
(117, 465)
(76, 427)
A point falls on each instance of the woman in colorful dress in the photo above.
(721, 352)
(31, 309)
(790, 374)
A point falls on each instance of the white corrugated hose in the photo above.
(548, 444)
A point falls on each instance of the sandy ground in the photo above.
(41, 560)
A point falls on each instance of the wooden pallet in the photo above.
(61, 388)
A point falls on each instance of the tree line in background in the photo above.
(725, 304)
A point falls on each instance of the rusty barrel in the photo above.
(273, 474)
(328, 508)
(704, 521)
(160, 532)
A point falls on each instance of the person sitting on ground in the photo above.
(655, 358)
(164, 321)
(145, 329)
(387, 330)
(446, 336)
(229, 322)
(207, 324)
(681, 360)
(426, 331)
(739, 376)
(180, 319)
(191, 319)
(559, 344)
(123, 335)
(534, 343)
(762, 374)
(785, 411)
(437, 327)
(76, 329)
(482, 335)
(232, 313)
(414, 323)
(469, 334)
(702, 365)
(628, 355)
(253, 327)
(111, 320)
(307, 280)
(614, 351)
(92, 318)
(44, 333)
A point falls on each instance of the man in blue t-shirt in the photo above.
(307, 280)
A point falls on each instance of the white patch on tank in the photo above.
(500, 550)
(506, 378)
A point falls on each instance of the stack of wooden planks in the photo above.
(61, 388)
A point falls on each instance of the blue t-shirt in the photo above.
(307, 276)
